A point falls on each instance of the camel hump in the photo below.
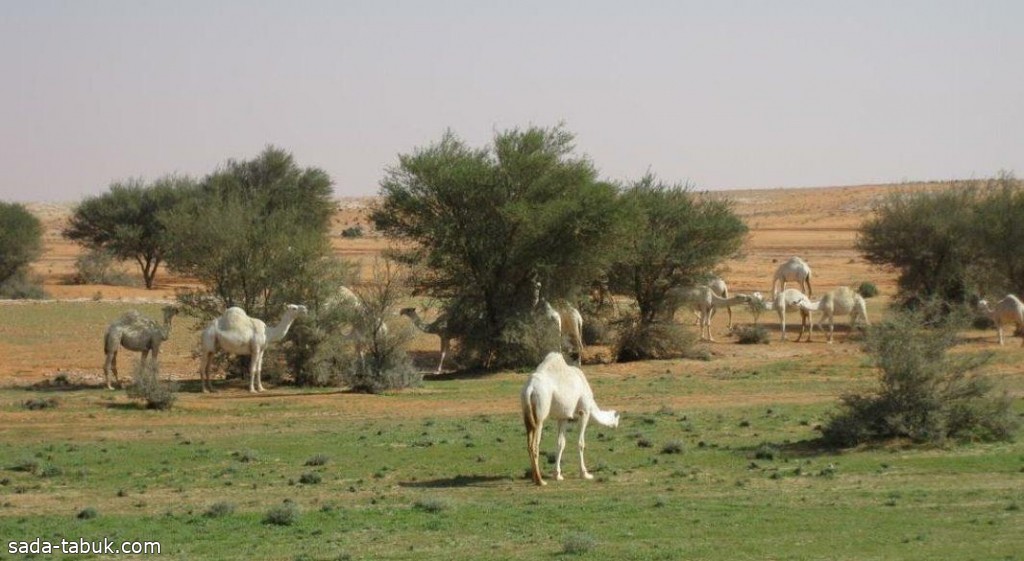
(233, 319)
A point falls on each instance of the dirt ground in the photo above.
(818, 224)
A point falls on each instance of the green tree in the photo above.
(676, 239)
(998, 235)
(929, 238)
(254, 235)
(485, 223)
(21, 239)
(126, 221)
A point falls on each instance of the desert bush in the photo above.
(432, 505)
(146, 385)
(40, 403)
(352, 232)
(751, 335)
(659, 340)
(867, 289)
(317, 460)
(578, 543)
(21, 239)
(285, 514)
(672, 447)
(219, 509)
(98, 266)
(87, 513)
(925, 394)
(22, 285)
(310, 478)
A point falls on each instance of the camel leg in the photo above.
(444, 351)
(999, 329)
(204, 373)
(729, 309)
(253, 369)
(533, 447)
(110, 365)
(259, 371)
(562, 424)
(582, 445)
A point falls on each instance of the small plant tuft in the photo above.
(317, 460)
(867, 289)
(751, 335)
(146, 385)
(578, 543)
(87, 513)
(40, 403)
(219, 509)
(432, 505)
(284, 514)
(310, 478)
(673, 447)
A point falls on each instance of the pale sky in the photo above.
(716, 93)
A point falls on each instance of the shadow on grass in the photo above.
(802, 449)
(457, 481)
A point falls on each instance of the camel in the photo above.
(237, 333)
(788, 299)
(1008, 310)
(842, 300)
(361, 319)
(438, 327)
(757, 305)
(560, 391)
(720, 289)
(795, 269)
(703, 301)
(568, 321)
(135, 333)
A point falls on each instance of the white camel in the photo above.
(135, 333)
(794, 270)
(365, 327)
(720, 289)
(236, 333)
(560, 391)
(840, 301)
(786, 300)
(703, 301)
(437, 327)
(1008, 310)
(567, 321)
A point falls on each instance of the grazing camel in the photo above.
(135, 333)
(703, 301)
(795, 269)
(438, 327)
(840, 301)
(758, 305)
(236, 333)
(720, 289)
(560, 391)
(1008, 310)
(788, 299)
(362, 315)
(567, 321)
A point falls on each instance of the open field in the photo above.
(712, 460)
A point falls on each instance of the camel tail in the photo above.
(529, 410)
(809, 291)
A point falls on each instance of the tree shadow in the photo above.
(457, 481)
(801, 449)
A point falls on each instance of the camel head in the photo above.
(608, 418)
(296, 310)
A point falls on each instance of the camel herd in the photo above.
(556, 389)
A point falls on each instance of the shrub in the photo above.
(924, 394)
(431, 505)
(673, 447)
(219, 509)
(146, 385)
(310, 478)
(40, 403)
(867, 289)
(638, 341)
(578, 543)
(752, 335)
(352, 232)
(27, 465)
(87, 513)
(317, 460)
(285, 514)
(766, 452)
(98, 266)
(22, 286)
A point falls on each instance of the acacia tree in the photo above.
(21, 240)
(998, 234)
(675, 239)
(485, 223)
(254, 235)
(126, 221)
(929, 238)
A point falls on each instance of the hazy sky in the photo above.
(721, 94)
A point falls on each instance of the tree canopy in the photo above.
(126, 220)
(486, 223)
(21, 239)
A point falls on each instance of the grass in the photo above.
(439, 472)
